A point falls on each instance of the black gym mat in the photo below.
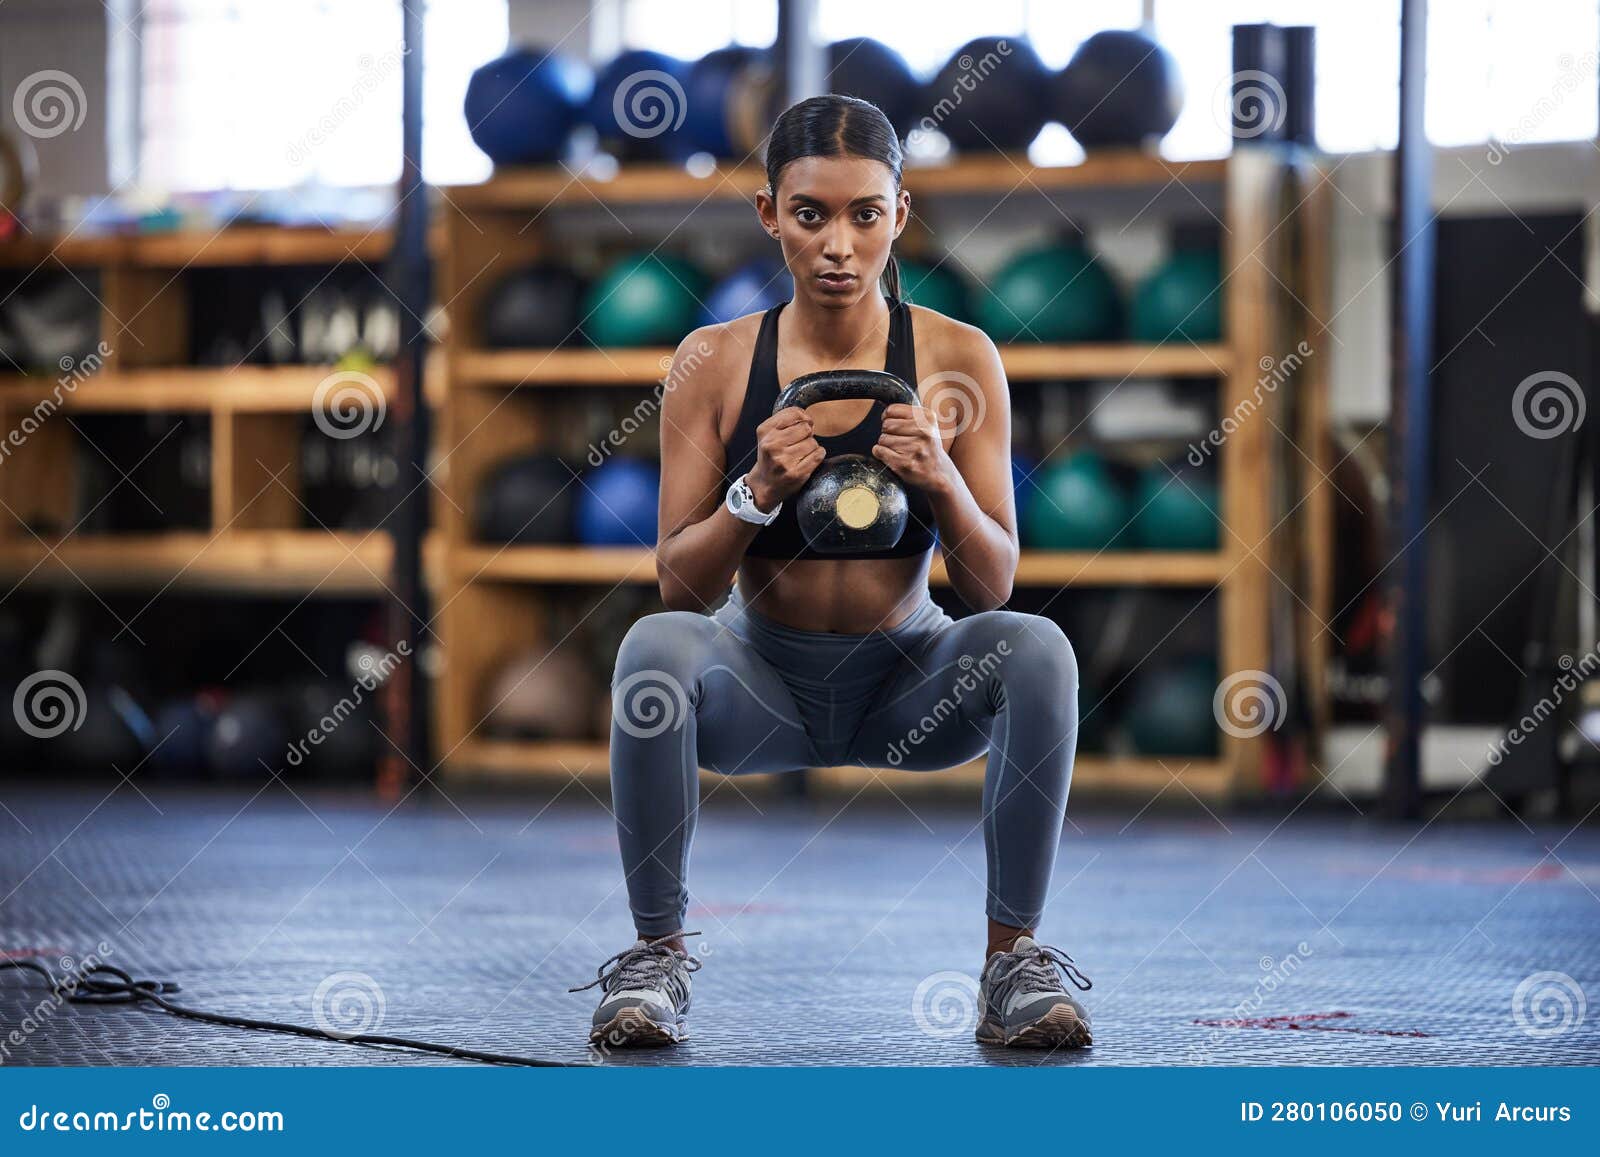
(834, 932)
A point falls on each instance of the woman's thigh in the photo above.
(746, 720)
(932, 713)
(940, 706)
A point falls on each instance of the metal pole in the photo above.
(1411, 419)
(405, 715)
(802, 59)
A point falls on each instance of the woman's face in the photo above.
(836, 218)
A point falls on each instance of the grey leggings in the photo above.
(738, 693)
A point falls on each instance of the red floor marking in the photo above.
(25, 953)
(607, 843)
(1442, 874)
(1511, 875)
(734, 909)
(1300, 1022)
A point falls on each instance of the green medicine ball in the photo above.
(1059, 294)
(1175, 511)
(939, 288)
(1181, 300)
(647, 300)
(1078, 505)
(1094, 720)
(1171, 712)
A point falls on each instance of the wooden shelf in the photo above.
(1112, 169)
(582, 565)
(242, 245)
(259, 561)
(643, 184)
(1048, 568)
(525, 759)
(564, 367)
(1114, 360)
(262, 245)
(647, 367)
(605, 565)
(554, 763)
(1204, 776)
(77, 252)
(247, 389)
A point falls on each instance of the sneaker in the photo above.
(1026, 1005)
(646, 998)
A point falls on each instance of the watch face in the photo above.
(736, 499)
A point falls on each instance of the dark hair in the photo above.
(837, 126)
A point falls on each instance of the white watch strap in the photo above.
(747, 510)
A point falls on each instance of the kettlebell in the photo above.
(852, 503)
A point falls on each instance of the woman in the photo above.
(817, 660)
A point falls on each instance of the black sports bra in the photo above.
(782, 539)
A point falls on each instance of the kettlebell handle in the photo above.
(843, 385)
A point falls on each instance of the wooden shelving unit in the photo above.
(581, 566)
(517, 761)
(190, 389)
(256, 561)
(495, 406)
(645, 367)
(980, 176)
(255, 542)
(238, 245)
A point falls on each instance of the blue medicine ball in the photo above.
(521, 107)
(1023, 467)
(639, 106)
(993, 93)
(617, 503)
(872, 71)
(719, 85)
(250, 738)
(183, 731)
(752, 288)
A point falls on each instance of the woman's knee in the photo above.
(655, 687)
(671, 643)
(1028, 650)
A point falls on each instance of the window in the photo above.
(1502, 70)
(690, 31)
(1358, 69)
(263, 94)
(1512, 73)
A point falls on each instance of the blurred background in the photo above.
(330, 468)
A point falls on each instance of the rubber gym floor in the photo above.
(835, 932)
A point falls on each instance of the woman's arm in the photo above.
(701, 543)
(968, 477)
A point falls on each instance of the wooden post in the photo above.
(1250, 308)
(255, 471)
(1315, 290)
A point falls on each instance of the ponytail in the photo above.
(891, 279)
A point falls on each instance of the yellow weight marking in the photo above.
(857, 507)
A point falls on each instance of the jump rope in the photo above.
(106, 984)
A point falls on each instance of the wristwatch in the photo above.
(742, 504)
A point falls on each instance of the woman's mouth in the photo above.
(836, 282)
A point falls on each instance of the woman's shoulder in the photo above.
(944, 343)
(715, 359)
(722, 343)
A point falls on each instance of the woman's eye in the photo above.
(868, 216)
(808, 216)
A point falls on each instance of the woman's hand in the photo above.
(910, 445)
(786, 455)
